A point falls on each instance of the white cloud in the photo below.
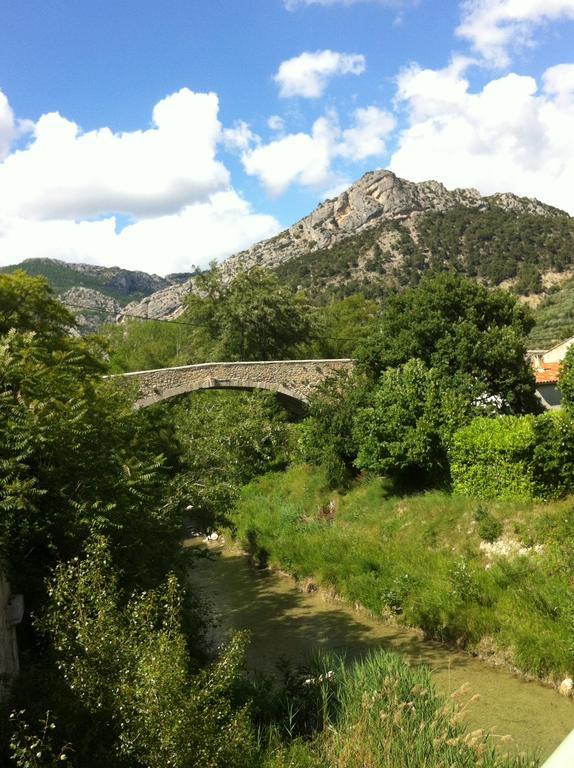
(298, 157)
(60, 195)
(307, 158)
(559, 82)
(494, 27)
(507, 137)
(368, 136)
(213, 229)
(308, 75)
(240, 137)
(65, 173)
(276, 123)
(7, 126)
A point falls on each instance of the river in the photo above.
(285, 622)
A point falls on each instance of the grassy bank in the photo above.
(379, 713)
(426, 560)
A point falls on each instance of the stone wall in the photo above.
(9, 614)
(295, 379)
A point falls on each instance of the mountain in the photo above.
(96, 294)
(384, 231)
(379, 235)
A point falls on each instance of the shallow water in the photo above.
(285, 622)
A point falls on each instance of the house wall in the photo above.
(556, 354)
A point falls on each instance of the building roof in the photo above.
(547, 373)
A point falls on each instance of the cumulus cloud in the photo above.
(298, 157)
(307, 158)
(7, 126)
(308, 75)
(494, 27)
(65, 194)
(221, 225)
(509, 136)
(367, 137)
(65, 173)
(240, 137)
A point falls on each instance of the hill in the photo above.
(95, 294)
(383, 232)
(379, 235)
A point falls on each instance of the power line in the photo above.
(182, 322)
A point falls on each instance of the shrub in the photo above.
(489, 529)
(491, 458)
(553, 456)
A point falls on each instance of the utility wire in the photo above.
(180, 322)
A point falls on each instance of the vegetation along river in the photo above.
(286, 622)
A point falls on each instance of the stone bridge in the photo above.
(294, 379)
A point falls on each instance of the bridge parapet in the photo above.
(295, 379)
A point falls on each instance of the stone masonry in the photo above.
(295, 379)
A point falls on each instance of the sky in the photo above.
(160, 136)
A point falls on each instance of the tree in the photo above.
(251, 317)
(140, 345)
(457, 326)
(126, 662)
(326, 435)
(405, 430)
(343, 324)
(566, 382)
(226, 439)
(28, 304)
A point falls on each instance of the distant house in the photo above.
(546, 364)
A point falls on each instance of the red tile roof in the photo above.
(547, 373)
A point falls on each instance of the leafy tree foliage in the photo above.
(138, 345)
(457, 327)
(326, 437)
(128, 665)
(226, 439)
(406, 429)
(75, 457)
(567, 380)
(342, 325)
(251, 317)
(28, 304)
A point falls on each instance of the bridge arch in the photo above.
(295, 380)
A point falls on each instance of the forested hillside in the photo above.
(493, 245)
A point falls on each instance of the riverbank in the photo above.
(495, 579)
(286, 623)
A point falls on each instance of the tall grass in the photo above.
(380, 713)
(419, 558)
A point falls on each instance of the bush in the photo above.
(492, 458)
(553, 457)
(410, 419)
(521, 457)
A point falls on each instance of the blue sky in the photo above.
(158, 136)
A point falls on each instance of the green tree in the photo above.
(566, 382)
(28, 304)
(251, 317)
(75, 457)
(457, 326)
(405, 430)
(343, 324)
(226, 439)
(128, 666)
(140, 345)
(326, 436)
